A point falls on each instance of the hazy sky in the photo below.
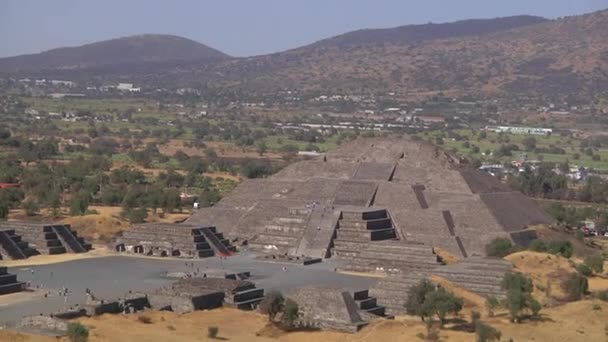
(241, 27)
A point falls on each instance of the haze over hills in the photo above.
(147, 48)
(418, 33)
(522, 54)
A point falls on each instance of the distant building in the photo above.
(430, 119)
(63, 83)
(127, 87)
(519, 130)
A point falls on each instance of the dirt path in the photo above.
(98, 251)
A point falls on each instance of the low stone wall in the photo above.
(45, 323)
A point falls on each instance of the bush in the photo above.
(499, 247)
(595, 263)
(137, 215)
(535, 307)
(272, 304)
(584, 270)
(290, 314)
(31, 207)
(144, 319)
(575, 286)
(538, 246)
(560, 247)
(4, 210)
(492, 304)
(212, 331)
(486, 333)
(77, 332)
(603, 295)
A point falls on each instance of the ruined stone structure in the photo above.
(187, 295)
(479, 275)
(20, 240)
(9, 283)
(336, 309)
(170, 239)
(424, 196)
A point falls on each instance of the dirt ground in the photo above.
(101, 227)
(547, 271)
(557, 325)
(97, 252)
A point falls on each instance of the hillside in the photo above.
(148, 48)
(418, 33)
(565, 56)
(494, 57)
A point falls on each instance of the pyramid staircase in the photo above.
(13, 246)
(9, 283)
(369, 305)
(216, 241)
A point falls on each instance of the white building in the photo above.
(127, 87)
(520, 130)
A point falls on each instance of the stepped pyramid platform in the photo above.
(482, 276)
(191, 294)
(430, 198)
(479, 275)
(9, 283)
(19, 240)
(178, 240)
(391, 292)
(367, 239)
(328, 308)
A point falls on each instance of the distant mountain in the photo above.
(494, 57)
(147, 48)
(516, 55)
(419, 33)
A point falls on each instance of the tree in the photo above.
(499, 247)
(256, 169)
(575, 286)
(4, 207)
(441, 302)
(537, 246)
(560, 247)
(171, 200)
(595, 263)
(584, 270)
(135, 215)
(261, 147)
(519, 295)
(79, 204)
(486, 333)
(425, 300)
(272, 304)
(416, 296)
(491, 304)
(529, 143)
(78, 332)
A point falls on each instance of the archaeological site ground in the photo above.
(344, 235)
